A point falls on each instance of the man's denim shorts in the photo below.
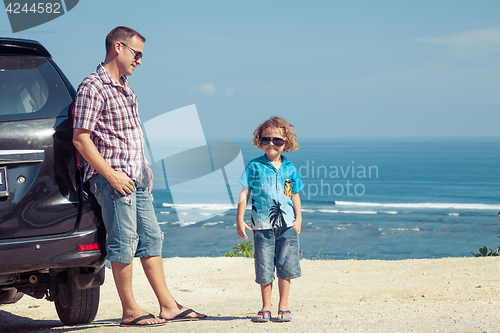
(130, 221)
(276, 248)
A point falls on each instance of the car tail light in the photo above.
(88, 247)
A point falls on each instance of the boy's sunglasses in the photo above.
(276, 141)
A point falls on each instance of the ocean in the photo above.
(387, 199)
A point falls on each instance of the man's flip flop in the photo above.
(134, 323)
(283, 319)
(263, 319)
(183, 317)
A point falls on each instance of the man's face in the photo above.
(127, 55)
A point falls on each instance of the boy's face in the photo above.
(273, 152)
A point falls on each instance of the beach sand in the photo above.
(421, 295)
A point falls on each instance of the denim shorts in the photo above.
(130, 221)
(276, 248)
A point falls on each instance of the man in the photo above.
(108, 134)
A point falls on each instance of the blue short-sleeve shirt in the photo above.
(271, 192)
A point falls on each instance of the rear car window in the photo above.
(30, 87)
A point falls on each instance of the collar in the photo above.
(106, 78)
(263, 159)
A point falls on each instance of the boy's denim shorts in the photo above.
(276, 248)
(130, 221)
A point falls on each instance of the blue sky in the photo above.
(332, 68)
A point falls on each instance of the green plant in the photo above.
(242, 248)
(231, 254)
(483, 252)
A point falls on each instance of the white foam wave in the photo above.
(183, 223)
(345, 211)
(398, 229)
(217, 207)
(431, 205)
(213, 223)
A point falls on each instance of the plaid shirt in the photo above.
(110, 112)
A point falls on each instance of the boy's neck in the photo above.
(276, 161)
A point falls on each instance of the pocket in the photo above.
(95, 188)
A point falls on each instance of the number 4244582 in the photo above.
(36, 8)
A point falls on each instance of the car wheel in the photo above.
(10, 296)
(73, 305)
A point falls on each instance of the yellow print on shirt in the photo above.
(288, 187)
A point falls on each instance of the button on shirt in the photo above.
(271, 191)
(110, 112)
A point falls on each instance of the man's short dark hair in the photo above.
(121, 34)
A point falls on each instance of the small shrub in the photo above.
(483, 252)
(242, 248)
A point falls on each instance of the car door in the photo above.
(38, 190)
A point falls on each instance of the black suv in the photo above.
(51, 231)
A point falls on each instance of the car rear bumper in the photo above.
(50, 253)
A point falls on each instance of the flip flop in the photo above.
(283, 319)
(263, 319)
(183, 317)
(134, 323)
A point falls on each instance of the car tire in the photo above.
(10, 296)
(76, 306)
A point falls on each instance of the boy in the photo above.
(273, 183)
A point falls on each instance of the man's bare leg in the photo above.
(122, 274)
(169, 308)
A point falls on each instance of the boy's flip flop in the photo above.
(183, 316)
(283, 319)
(134, 322)
(263, 319)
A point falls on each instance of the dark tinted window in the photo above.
(30, 87)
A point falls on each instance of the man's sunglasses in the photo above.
(276, 141)
(137, 54)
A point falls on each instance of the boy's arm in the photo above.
(298, 212)
(242, 206)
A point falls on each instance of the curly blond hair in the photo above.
(279, 123)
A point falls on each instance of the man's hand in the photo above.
(150, 188)
(121, 182)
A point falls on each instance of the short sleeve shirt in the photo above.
(110, 111)
(271, 191)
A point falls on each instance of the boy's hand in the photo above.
(298, 225)
(240, 229)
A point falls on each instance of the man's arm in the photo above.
(119, 180)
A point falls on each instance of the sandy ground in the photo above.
(424, 295)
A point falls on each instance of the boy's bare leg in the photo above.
(122, 274)
(284, 289)
(169, 308)
(266, 291)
